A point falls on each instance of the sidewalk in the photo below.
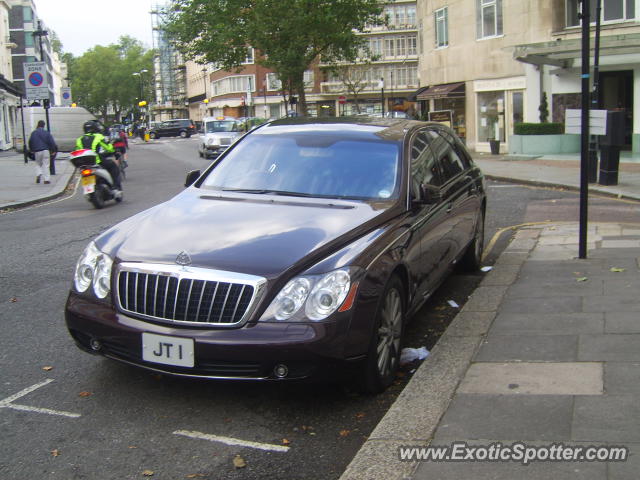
(546, 351)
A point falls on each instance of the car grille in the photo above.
(187, 296)
(225, 141)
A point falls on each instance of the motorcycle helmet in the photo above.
(91, 127)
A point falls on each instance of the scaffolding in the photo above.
(170, 71)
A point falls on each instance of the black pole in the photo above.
(382, 95)
(584, 150)
(24, 135)
(595, 97)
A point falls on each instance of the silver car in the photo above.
(219, 133)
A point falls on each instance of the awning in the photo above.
(414, 96)
(449, 90)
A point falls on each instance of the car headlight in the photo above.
(321, 295)
(93, 269)
(211, 141)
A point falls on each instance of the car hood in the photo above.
(219, 135)
(255, 234)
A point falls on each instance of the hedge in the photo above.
(538, 128)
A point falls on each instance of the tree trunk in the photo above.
(298, 86)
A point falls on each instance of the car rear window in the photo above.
(311, 164)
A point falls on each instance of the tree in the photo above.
(102, 78)
(289, 34)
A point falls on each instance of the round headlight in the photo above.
(291, 298)
(328, 294)
(85, 268)
(102, 278)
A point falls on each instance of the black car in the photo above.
(302, 251)
(173, 128)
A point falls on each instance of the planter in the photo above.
(495, 146)
(544, 144)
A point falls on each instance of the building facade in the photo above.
(488, 64)
(9, 93)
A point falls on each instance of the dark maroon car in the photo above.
(302, 250)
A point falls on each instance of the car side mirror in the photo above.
(192, 176)
(430, 194)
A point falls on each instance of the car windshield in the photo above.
(220, 126)
(310, 164)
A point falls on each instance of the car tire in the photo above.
(183, 134)
(153, 136)
(472, 259)
(201, 155)
(383, 356)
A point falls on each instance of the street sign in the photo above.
(35, 80)
(342, 99)
(65, 94)
(597, 121)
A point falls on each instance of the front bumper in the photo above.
(214, 150)
(250, 352)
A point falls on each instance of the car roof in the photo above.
(392, 129)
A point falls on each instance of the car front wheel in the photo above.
(472, 259)
(183, 134)
(383, 357)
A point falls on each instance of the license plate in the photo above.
(88, 184)
(167, 350)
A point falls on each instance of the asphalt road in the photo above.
(66, 415)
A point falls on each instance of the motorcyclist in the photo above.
(93, 139)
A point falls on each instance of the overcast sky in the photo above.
(82, 24)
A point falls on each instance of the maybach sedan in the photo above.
(300, 252)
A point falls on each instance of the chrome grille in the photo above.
(187, 295)
(225, 141)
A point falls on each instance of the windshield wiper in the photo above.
(269, 192)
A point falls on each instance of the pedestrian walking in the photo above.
(42, 144)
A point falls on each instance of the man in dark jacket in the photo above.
(42, 144)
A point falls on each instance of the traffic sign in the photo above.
(342, 99)
(65, 93)
(35, 80)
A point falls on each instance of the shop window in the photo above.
(488, 18)
(490, 116)
(442, 27)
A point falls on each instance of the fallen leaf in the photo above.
(360, 415)
(286, 441)
(148, 473)
(196, 475)
(582, 279)
(55, 452)
(617, 270)
(239, 462)
(47, 368)
(344, 433)
(84, 394)
(132, 446)
(13, 299)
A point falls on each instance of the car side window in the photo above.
(424, 169)
(451, 164)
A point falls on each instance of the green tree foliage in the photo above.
(289, 34)
(102, 78)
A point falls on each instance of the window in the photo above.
(450, 162)
(489, 18)
(28, 14)
(273, 83)
(612, 11)
(249, 58)
(375, 44)
(442, 27)
(424, 169)
(412, 45)
(389, 47)
(235, 84)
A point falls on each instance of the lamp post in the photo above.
(43, 33)
(140, 99)
(382, 94)
(206, 97)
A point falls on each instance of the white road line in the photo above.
(6, 403)
(48, 411)
(232, 441)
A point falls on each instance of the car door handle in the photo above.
(449, 207)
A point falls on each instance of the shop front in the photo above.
(445, 104)
(499, 106)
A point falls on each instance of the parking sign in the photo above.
(35, 80)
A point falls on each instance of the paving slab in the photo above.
(622, 378)
(609, 418)
(528, 348)
(559, 304)
(609, 348)
(567, 378)
(549, 324)
(507, 417)
(612, 303)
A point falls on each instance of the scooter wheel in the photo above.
(98, 197)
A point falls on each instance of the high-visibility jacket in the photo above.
(96, 142)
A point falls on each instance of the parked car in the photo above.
(300, 253)
(219, 133)
(182, 127)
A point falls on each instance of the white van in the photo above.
(65, 124)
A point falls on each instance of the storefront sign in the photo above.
(512, 83)
(597, 121)
(442, 116)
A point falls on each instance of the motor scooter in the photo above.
(96, 181)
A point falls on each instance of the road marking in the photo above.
(232, 441)
(8, 402)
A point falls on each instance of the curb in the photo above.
(28, 203)
(416, 413)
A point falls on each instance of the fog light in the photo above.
(95, 344)
(281, 371)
